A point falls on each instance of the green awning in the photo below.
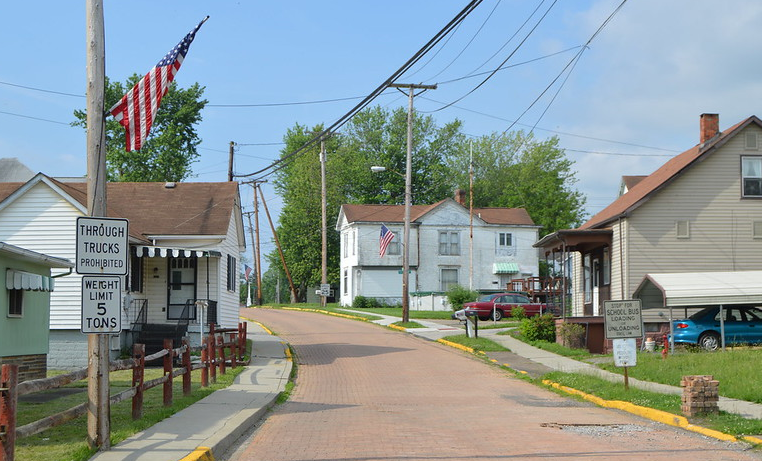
(505, 268)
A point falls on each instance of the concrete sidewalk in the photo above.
(213, 423)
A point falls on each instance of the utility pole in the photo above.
(471, 217)
(257, 264)
(324, 229)
(230, 162)
(253, 252)
(280, 251)
(408, 195)
(98, 405)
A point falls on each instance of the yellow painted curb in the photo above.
(267, 330)
(200, 454)
(397, 327)
(456, 345)
(287, 351)
(649, 413)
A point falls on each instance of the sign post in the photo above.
(623, 322)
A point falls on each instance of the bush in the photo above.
(458, 295)
(361, 302)
(539, 328)
(572, 335)
(518, 313)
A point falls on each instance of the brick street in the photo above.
(368, 393)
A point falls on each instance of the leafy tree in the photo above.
(170, 149)
(518, 171)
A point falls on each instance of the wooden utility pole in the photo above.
(324, 227)
(253, 255)
(257, 264)
(230, 162)
(280, 250)
(471, 217)
(408, 195)
(98, 407)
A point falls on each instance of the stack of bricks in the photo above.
(701, 395)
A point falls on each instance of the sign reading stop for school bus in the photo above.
(623, 319)
(101, 304)
(102, 246)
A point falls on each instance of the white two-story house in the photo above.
(442, 252)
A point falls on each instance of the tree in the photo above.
(518, 171)
(169, 150)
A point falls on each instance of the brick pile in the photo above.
(701, 395)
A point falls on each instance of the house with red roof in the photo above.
(699, 212)
(442, 251)
(185, 241)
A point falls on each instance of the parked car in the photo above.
(743, 325)
(498, 305)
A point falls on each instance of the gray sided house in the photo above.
(185, 240)
(699, 212)
(25, 308)
(442, 254)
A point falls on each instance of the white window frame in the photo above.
(504, 239)
(747, 173)
(15, 299)
(451, 244)
(395, 246)
(442, 270)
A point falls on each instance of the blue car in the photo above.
(743, 325)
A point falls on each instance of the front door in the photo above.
(181, 287)
(596, 286)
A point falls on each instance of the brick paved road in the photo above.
(367, 393)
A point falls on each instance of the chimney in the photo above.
(709, 126)
(460, 196)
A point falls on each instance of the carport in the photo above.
(699, 289)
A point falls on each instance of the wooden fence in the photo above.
(213, 358)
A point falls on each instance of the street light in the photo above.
(406, 237)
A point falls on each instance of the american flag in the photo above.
(136, 110)
(384, 240)
(247, 271)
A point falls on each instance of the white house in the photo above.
(442, 252)
(185, 240)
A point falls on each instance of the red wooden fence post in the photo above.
(9, 379)
(187, 366)
(212, 357)
(221, 345)
(168, 373)
(233, 349)
(241, 340)
(205, 364)
(138, 375)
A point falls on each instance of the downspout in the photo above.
(621, 261)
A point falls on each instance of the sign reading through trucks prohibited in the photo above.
(623, 319)
(102, 247)
(101, 304)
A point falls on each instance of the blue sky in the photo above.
(632, 100)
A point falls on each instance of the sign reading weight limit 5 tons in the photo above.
(102, 246)
(101, 304)
(623, 319)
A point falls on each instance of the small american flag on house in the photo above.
(137, 109)
(384, 240)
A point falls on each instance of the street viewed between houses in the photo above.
(368, 393)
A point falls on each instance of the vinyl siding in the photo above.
(708, 196)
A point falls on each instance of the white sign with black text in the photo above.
(623, 319)
(102, 246)
(101, 304)
(625, 352)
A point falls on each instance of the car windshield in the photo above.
(485, 298)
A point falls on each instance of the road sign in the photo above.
(101, 304)
(325, 289)
(623, 319)
(102, 247)
(625, 352)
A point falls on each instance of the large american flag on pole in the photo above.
(137, 109)
(384, 240)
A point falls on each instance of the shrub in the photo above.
(539, 328)
(361, 302)
(572, 334)
(458, 295)
(518, 313)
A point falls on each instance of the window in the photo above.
(606, 266)
(394, 245)
(346, 245)
(346, 281)
(504, 239)
(588, 280)
(231, 275)
(448, 278)
(352, 242)
(751, 141)
(683, 229)
(751, 176)
(15, 303)
(449, 243)
(136, 274)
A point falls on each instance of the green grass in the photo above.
(737, 370)
(724, 422)
(397, 312)
(408, 324)
(477, 344)
(68, 441)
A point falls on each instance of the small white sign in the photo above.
(623, 319)
(325, 289)
(625, 352)
(102, 246)
(101, 304)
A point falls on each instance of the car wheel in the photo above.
(709, 341)
(497, 315)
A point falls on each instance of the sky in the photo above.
(630, 102)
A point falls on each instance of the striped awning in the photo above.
(20, 280)
(505, 268)
(167, 252)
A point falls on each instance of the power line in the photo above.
(34, 118)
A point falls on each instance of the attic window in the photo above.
(683, 229)
(751, 141)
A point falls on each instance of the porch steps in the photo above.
(154, 334)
